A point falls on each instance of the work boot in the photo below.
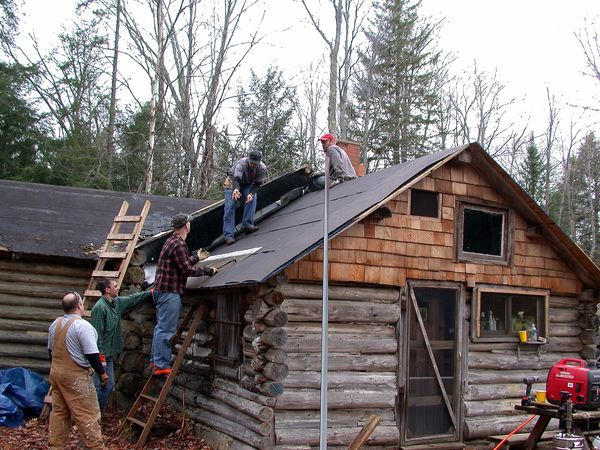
(230, 241)
(250, 229)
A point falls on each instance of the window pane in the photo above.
(483, 232)
(228, 326)
(424, 203)
(504, 315)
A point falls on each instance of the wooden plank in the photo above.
(113, 255)
(92, 293)
(120, 237)
(127, 218)
(105, 274)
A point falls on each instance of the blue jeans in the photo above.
(103, 392)
(229, 210)
(168, 309)
(319, 182)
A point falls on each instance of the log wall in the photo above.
(363, 363)
(30, 299)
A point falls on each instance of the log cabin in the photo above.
(49, 240)
(434, 266)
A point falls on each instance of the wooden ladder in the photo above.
(194, 314)
(111, 252)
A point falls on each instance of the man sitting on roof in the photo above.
(340, 167)
(246, 175)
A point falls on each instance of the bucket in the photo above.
(540, 396)
(523, 336)
(566, 441)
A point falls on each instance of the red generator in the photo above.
(577, 377)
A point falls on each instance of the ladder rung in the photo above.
(127, 219)
(106, 273)
(113, 255)
(136, 421)
(92, 293)
(149, 397)
(120, 237)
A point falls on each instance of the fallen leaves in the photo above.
(170, 432)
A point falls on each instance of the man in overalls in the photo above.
(74, 352)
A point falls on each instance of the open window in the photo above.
(482, 233)
(228, 325)
(424, 203)
(498, 314)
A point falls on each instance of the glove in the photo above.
(104, 379)
(213, 271)
(202, 254)
(103, 360)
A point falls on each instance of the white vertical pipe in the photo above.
(325, 316)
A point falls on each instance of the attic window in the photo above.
(482, 233)
(424, 203)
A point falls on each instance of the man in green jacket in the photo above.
(106, 319)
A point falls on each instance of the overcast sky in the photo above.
(530, 43)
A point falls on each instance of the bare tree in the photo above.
(112, 112)
(589, 40)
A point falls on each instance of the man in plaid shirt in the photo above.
(175, 265)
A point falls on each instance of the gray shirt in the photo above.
(244, 175)
(82, 339)
(339, 164)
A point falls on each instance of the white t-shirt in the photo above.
(82, 339)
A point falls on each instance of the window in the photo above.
(424, 203)
(499, 314)
(228, 323)
(482, 233)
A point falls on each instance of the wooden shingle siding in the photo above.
(403, 247)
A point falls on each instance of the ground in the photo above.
(172, 431)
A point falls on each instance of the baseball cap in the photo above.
(179, 221)
(255, 156)
(327, 137)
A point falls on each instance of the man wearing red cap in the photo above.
(340, 167)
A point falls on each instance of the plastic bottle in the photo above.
(492, 322)
(533, 334)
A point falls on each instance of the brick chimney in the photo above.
(352, 149)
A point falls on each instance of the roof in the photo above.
(297, 229)
(62, 221)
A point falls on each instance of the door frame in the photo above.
(460, 356)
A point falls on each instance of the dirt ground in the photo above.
(171, 431)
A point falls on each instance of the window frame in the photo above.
(218, 322)
(438, 215)
(505, 258)
(476, 311)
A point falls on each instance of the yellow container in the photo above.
(540, 396)
(523, 336)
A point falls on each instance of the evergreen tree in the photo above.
(265, 114)
(531, 172)
(395, 100)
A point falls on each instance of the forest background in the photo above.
(162, 96)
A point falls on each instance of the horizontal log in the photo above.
(498, 391)
(258, 362)
(134, 275)
(564, 329)
(274, 337)
(528, 360)
(33, 290)
(275, 318)
(138, 257)
(337, 399)
(250, 333)
(38, 302)
(24, 337)
(234, 388)
(340, 379)
(273, 298)
(340, 343)
(62, 282)
(349, 293)
(264, 428)
(230, 428)
(26, 313)
(276, 355)
(496, 407)
(335, 418)
(270, 388)
(39, 351)
(384, 434)
(564, 344)
(303, 328)
(563, 302)
(480, 376)
(274, 371)
(77, 271)
(302, 310)
(344, 362)
(37, 365)
(477, 427)
(564, 315)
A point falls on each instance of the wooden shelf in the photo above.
(536, 344)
